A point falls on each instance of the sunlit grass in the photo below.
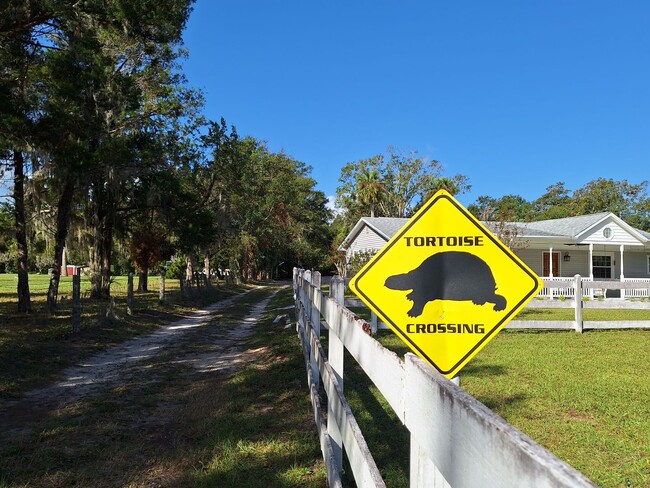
(582, 396)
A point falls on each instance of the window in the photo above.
(602, 266)
(607, 233)
(648, 257)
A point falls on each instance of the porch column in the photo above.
(591, 268)
(622, 275)
(550, 269)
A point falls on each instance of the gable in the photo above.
(609, 231)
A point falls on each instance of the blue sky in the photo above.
(516, 95)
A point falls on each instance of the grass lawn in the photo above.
(585, 397)
(582, 396)
(595, 314)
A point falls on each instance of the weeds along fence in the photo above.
(455, 440)
(575, 295)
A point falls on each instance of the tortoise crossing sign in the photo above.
(445, 284)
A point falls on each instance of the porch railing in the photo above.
(566, 288)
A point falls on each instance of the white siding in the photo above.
(533, 258)
(619, 235)
(635, 264)
(579, 263)
(367, 240)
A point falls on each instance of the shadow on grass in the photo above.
(484, 370)
(387, 438)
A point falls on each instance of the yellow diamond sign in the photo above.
(445, 284)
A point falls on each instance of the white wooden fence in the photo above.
(568, 293)
(580, 288)
(564, 287)
(455, 440)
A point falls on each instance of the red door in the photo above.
(556, 264)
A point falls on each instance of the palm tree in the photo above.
(369, 189)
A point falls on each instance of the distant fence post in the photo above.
(161, 287)
(578, 304)
(129, 295)
(76, 301)
(373, 323)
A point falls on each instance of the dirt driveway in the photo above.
(122, 417)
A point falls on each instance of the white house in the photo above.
(598, 247)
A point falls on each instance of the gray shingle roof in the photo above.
(389, 226)
(568, 227)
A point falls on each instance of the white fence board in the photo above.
(455, 440)
(469, 444)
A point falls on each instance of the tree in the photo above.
(554, 204)
(93, 63)
(628, 201)
(369, 189)
(149, 246)
(508, 208)
(393, 185)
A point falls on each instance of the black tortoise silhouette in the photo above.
(450, 275)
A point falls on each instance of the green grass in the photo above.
(264, 435)
(582, 396)
(596, 314)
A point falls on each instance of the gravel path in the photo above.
(218, 352)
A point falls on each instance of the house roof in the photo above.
(386, 227)
(576, 227)
(567, 228)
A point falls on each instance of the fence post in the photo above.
(373, 323)
(578, 304)
(335, 357)
(314, 319)
(161, 287)
(129, 295)
(76, 301)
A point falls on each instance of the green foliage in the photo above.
(394, 184)
(176, 270)
(359, 260)
(6, 227)
(627, 200)
(270, 216)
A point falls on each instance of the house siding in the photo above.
(533, 258)
(635, 264)
(367, 240)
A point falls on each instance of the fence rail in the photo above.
(455, 440)
(569, 293)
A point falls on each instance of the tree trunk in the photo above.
(62, 224)
(189, 270)
(102, 242)
(107, 250)
(24, 299)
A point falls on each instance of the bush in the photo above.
(359, 260)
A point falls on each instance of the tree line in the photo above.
(112, 160)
